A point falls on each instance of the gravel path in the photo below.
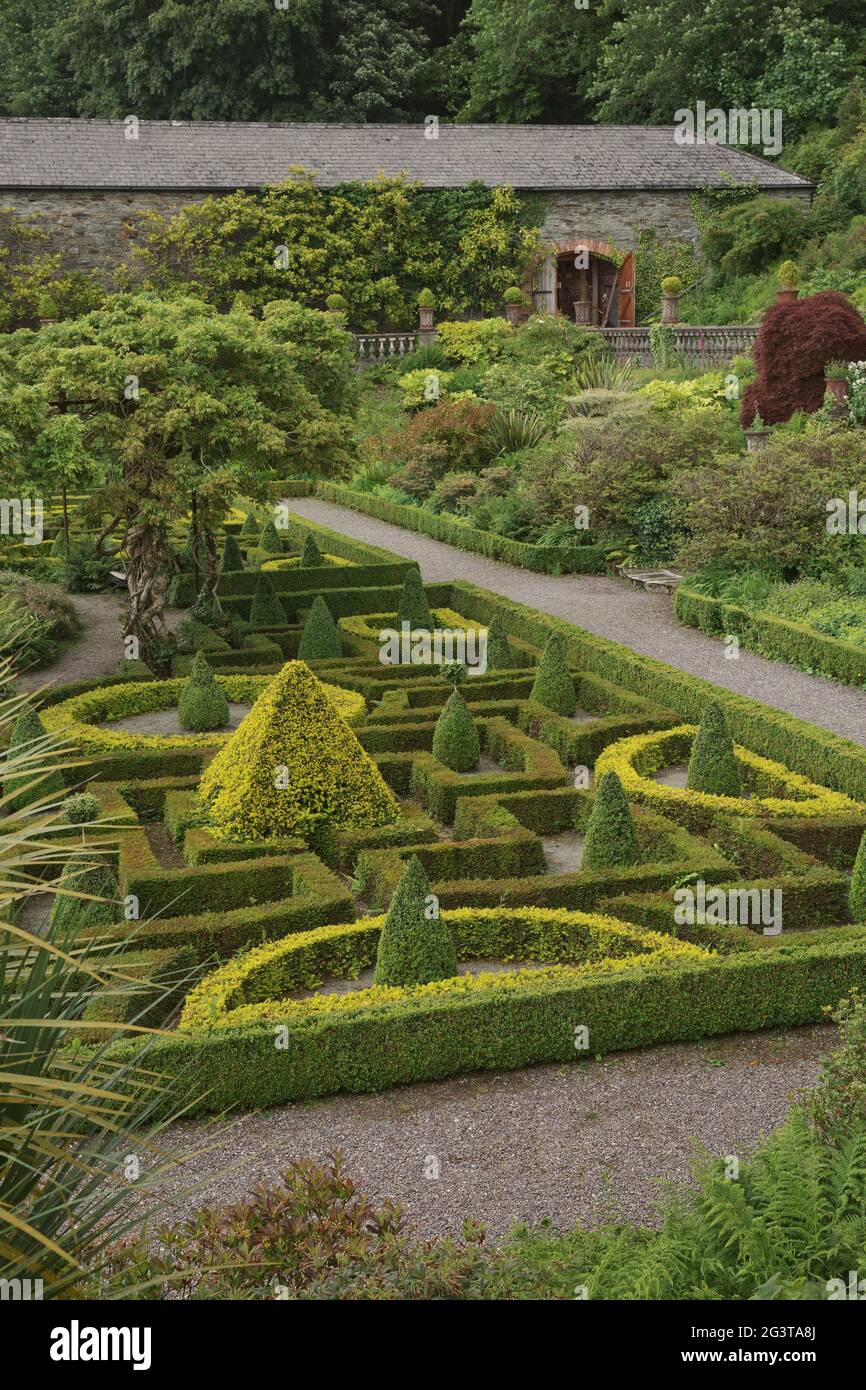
(615, 609)
(97, 648)
(567, 1143)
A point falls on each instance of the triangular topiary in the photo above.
(553, 686)
(857, 891)
(311, 555)
(266, 609)
(713, 767)
(320, 639)
(415, 946)
(499, 653)
(455, 738)
(32, 785)
(232, 558)
(413, 608)
(292, 763)
(251, 525)
(207, 609)
(203, 704)
(74, 913)
(611, 838)
(270, 539)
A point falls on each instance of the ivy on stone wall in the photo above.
(655, 258)
(377, 244)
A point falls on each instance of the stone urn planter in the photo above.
(426, 309)
(787, 296)
(582, 311)
(837, 387)
(670, 308)
(756, 439)
(512, 314)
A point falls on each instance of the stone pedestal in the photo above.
(670, 308)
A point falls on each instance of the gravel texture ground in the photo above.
(612, 608)
(97, 648)
(569, 1143)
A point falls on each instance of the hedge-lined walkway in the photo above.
(611, 608)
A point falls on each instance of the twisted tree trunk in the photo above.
(148, 562)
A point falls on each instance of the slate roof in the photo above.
(219, 155)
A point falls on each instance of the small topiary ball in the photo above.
(857, 890)
(553, 686)
(713, 767)
(311, 555)
(415, 946)
(320, 639)
(455, 739)
(81, 808)
(270, 539)
(203, 704)
(232, 559)
(611, 839)
(413, 607)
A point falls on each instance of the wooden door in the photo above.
(626, 292)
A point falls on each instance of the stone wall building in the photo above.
(88, 180)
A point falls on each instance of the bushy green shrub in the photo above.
(311, 556)
(232, 559)
(251, 526)
(749, 237)
(270, 539)
(81, 808)
(415, 946)
(499, 653)
(203, 704)
(320, 639)
(266, 609)
(455, 738)
(207, 609)
(27, 729)
(553, 686)
(857, 891)
(413, 607)
(712, 765)
(611, 838)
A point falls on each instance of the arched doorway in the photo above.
(581, 279)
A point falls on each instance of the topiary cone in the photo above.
(413, 608)
(611, 838)
(320, 639)
(203, 704)
(207, 609)
(250, 526)
(266, 609)
(414, 948)
(232, 559)
(712, 766)
(499, 653)
(553, 686)
(270, 539)
(32, 786)
(311, 555)
(857, 891)
(455, 738)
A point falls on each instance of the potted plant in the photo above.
(582, 310)
(514, 301)
(757, 435)
(789, 283)
(672, 288)
(836, 380)
(46, 309)
(336, 304)
(426, 305)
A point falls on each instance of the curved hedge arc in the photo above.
(83, 718)
(251, 989)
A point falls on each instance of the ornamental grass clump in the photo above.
(857, 890)
(611, 838)
(270, 539)
(499, 654)
(553, 686)
(266, 609)
(293, 763)
(232, 559)
(713, 767)
(455, 739)
(415, 946)
(203, 704)
(320, 639)
(413, 608)
(27, 730)
(311, 555)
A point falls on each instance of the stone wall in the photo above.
(621, 215)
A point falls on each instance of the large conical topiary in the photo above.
(270, 539)
(292, 763)
(413, 608)
(857, 891)
(232, 559)
(73, 914)
(206, 609)
(499, 654)
(266, 609)
(27, 728)
(311, 555)
(611, 838)
(455, 738)
(251, 525)
(203, 704)
(415, 946)
(712, 766)
(320, 639)
(553, 686)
